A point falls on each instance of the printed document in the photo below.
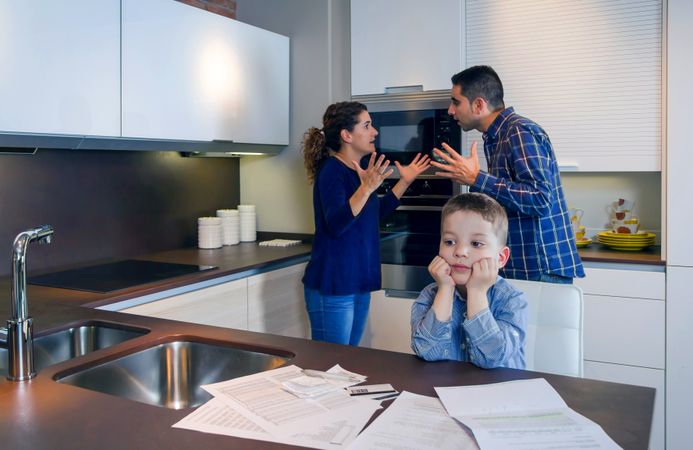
(415, 422)
(523, 414)
(257, 407)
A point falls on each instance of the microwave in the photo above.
(404, 133)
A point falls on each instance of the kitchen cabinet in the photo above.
(223, 305)
(276, 303)
(60, 67)
(188, 74)
(624, 332)
(269, 302)
(388, 326)
(398, 43)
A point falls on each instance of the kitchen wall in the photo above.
(319, 32)
(109, 204)
(594, 192)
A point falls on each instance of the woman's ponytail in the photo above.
(317, 144)
(314, 151)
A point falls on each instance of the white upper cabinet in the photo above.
(398, 43)
(60, 67)
(192, 75)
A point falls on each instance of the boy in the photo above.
(470, 313)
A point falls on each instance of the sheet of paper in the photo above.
(415, 422)
(217, 417)
(523, 414)
(261, 399)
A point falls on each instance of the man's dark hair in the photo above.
(483, 82)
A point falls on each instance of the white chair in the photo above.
(554, 327)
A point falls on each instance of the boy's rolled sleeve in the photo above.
(493, 340)
(431, 339)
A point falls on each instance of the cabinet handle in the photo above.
(568, 167)
(404, 89)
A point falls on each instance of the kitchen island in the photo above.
(43, 413)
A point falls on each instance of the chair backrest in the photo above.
(554, 327)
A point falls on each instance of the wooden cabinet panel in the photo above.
(394, 44)
(624, 331)
(638, 376)
(623, 283)
(388, 326)
(60, 67)
(189, 74)
(224, 305)
(276, 303)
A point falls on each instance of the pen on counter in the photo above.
(330, 376)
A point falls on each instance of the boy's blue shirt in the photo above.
(493, 338)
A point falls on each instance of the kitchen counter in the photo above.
(596, 252)
(45, 414)
(240, 260)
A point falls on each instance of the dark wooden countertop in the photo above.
(45, 414)
(596, 252)
(237, 259)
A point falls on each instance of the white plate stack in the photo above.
(209, 232)
(230, 226)
(248, 223)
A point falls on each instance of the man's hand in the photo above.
(484, 274)
(441, 272)
(462, 169)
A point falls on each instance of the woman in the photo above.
(345, 263)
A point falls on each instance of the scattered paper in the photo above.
(522, 414)
(415, 422)
(258, 407)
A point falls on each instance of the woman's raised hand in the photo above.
(415, 168)
(375, 173)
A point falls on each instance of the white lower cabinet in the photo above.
(276, 304)
(624, 333)
(270, 302)
(223, 305)
(388, 326)
(639, 376)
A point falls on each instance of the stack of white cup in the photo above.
(209, 232)
(248, 223)
(230, 226)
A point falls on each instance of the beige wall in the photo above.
(319, 33)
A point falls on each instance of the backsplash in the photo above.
(109, 204)
(594, 192)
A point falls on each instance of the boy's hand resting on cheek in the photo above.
(441, 272)
(484, 274)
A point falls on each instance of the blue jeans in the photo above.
(337, 318)
(553, 278)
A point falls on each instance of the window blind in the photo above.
(589, 72)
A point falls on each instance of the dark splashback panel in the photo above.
(109, 204)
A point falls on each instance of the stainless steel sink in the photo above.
(76, 341)
(170, 374)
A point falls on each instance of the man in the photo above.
(522, 176)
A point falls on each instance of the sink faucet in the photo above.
(20, 328)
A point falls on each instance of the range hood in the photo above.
(14, 142)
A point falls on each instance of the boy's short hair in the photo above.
(484, 205)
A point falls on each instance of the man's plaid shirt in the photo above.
(523, 176)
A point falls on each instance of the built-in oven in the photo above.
(404, 133)
(410, 236)
(408, 124)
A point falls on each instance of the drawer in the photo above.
(640, 377)
(624, 331)
(623, 283)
